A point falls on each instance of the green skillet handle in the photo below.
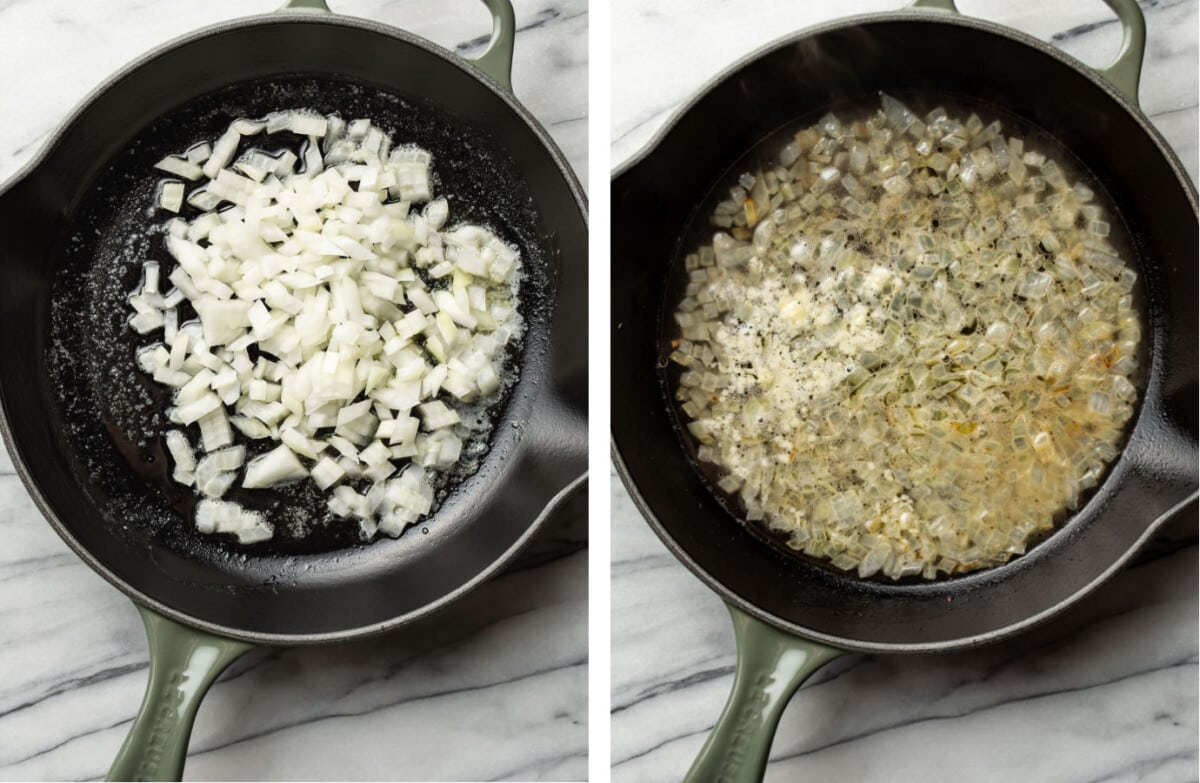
(771, 665)
(305, 5)
(936, 5)
(496, 60)
(1125, 71)
(183, 664)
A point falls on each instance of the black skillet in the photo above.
(791, 615)
(74, 407)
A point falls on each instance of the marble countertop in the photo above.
(1105, 692)
(495, 688)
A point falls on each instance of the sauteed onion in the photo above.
(911, 346)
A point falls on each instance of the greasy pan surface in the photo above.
(846, 64)
(73, 227)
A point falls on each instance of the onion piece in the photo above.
(180, 167)
(278, 466)
(192, 412)
(198, 153)
(181, 452)
(219, 516)
(436, 415)
(222, 153)
(326, 473)
(217, 485)
(203, 200)
(307, 125)
(251, 428)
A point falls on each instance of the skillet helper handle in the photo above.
(1125, 71)
(496, 60)
(184, 662)
(306, 5)
(771, 665)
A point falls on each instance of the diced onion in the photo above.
(180, 167)
(278, 466)
(326, 473)
(220, 516)
(369, 318)
(909, 346)
(199, 153)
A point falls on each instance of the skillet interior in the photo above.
(78, 215)
(848, 63)
(700, 232)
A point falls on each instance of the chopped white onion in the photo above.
(181, 452)
(221, 516)
(222, 153)
(317, 271)
(198, 153)
(278, 466)
(180, 167)
(214, 430)
(326, 473)
(436, 415)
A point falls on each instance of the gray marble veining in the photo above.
(1107, 692)
(494, 689)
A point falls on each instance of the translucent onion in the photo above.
(924, 357)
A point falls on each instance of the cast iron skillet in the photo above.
(791, 616)
(74, 215)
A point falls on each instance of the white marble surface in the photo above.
(1107, 692)
(495, 689)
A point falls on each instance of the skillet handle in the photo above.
(184, 662)
(496, 60)
(771, 665)
(1125, 71)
